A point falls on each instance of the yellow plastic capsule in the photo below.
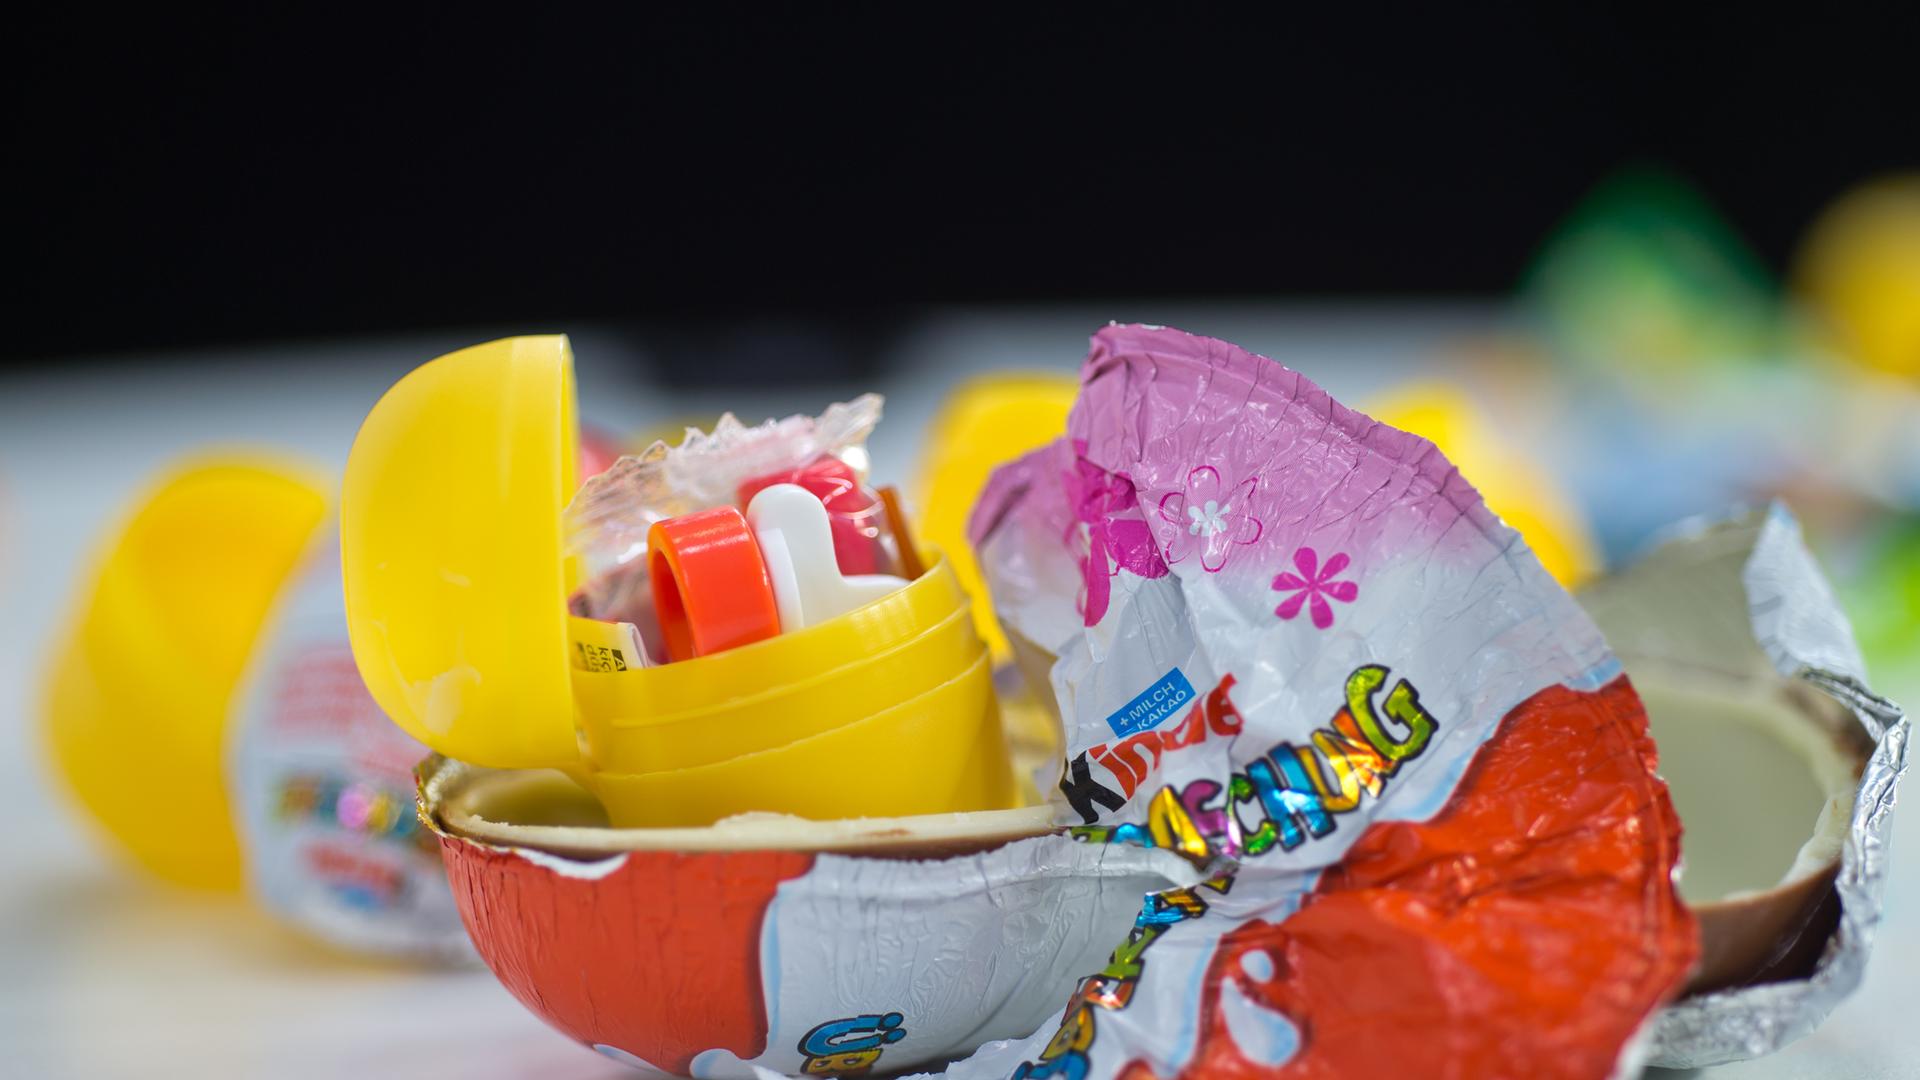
(1860, 269)
(456, 589)
(781, 690)
(456, 579)
(142, 682)
(938, 752)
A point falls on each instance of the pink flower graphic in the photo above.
(1116, 537)
(1209, 516)
(1314, 583)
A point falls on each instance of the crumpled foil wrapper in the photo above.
(1292, 643)
(753, 959)
(1745, 595)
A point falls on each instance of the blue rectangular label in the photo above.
(1168, 695)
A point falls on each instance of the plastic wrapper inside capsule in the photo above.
(608, 521)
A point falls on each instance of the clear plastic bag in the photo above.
(607, 522)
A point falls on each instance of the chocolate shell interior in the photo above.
(546, 811)
(1763, 774)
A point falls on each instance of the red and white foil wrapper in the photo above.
(1294, 641)
(323, 789)
(751, 962)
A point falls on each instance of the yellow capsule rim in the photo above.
(705, 682)
(622, 684)
(783, 714)
(939, 697)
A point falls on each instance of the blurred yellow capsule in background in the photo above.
(1525, 495)
(141, 683)
(1860, 272)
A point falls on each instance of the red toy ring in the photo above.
(710, 585)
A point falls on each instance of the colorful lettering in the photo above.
(1256, 841)
(1172, 828)
(1210, 820)
(1289, 799)
(1105, 992)
(1356, 764)
(1083, 791)
(1125, 961)
(1299, 792)
(1065, 1054)
(354, 807)
(1403, 705)
(1296, 793)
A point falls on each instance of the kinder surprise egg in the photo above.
(207, 713)
(322, 788)
(804, 947)
(913, 912)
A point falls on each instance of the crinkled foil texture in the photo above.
(1292, 639)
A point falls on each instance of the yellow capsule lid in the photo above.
(455, 569)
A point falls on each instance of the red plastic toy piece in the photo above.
(710, 585)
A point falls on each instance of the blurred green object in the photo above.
(1645, 276)
(1882, 598)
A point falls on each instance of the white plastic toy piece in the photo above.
(796, 540)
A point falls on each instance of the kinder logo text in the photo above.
(1289, 795)
(1132, 758)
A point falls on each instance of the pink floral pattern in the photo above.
(1314, 586)
(1117, 538)
(1209, 516)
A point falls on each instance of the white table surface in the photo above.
(104, 974)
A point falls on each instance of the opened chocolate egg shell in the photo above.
(796, 945)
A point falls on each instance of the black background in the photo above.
(217, 177)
